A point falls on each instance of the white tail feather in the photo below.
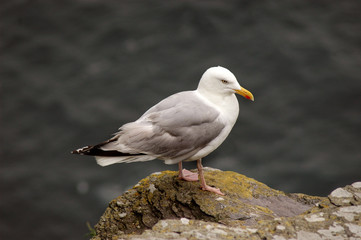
(106, 161)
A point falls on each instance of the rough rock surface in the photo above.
(163, 207)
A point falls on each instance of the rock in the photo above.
(163, 207)
(340, 197)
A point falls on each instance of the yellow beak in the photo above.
(245, 93)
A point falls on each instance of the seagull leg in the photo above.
(186, 175)
(204, 186)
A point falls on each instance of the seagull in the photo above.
(186, 126)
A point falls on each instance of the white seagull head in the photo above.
(221, 81)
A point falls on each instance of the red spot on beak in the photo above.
(248, 97)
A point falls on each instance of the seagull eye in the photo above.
(224, 81)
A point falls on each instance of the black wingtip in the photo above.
(95, 151)
(82, 151)
(75, 152)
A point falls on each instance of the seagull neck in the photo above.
(214, 98)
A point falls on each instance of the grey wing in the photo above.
(176, 128)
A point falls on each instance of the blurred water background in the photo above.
(73, 71)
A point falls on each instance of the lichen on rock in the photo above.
(163, 206)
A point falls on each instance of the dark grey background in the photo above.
(72, 72)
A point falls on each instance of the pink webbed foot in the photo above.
(212, 189)
(188, 175)
(204, 186)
